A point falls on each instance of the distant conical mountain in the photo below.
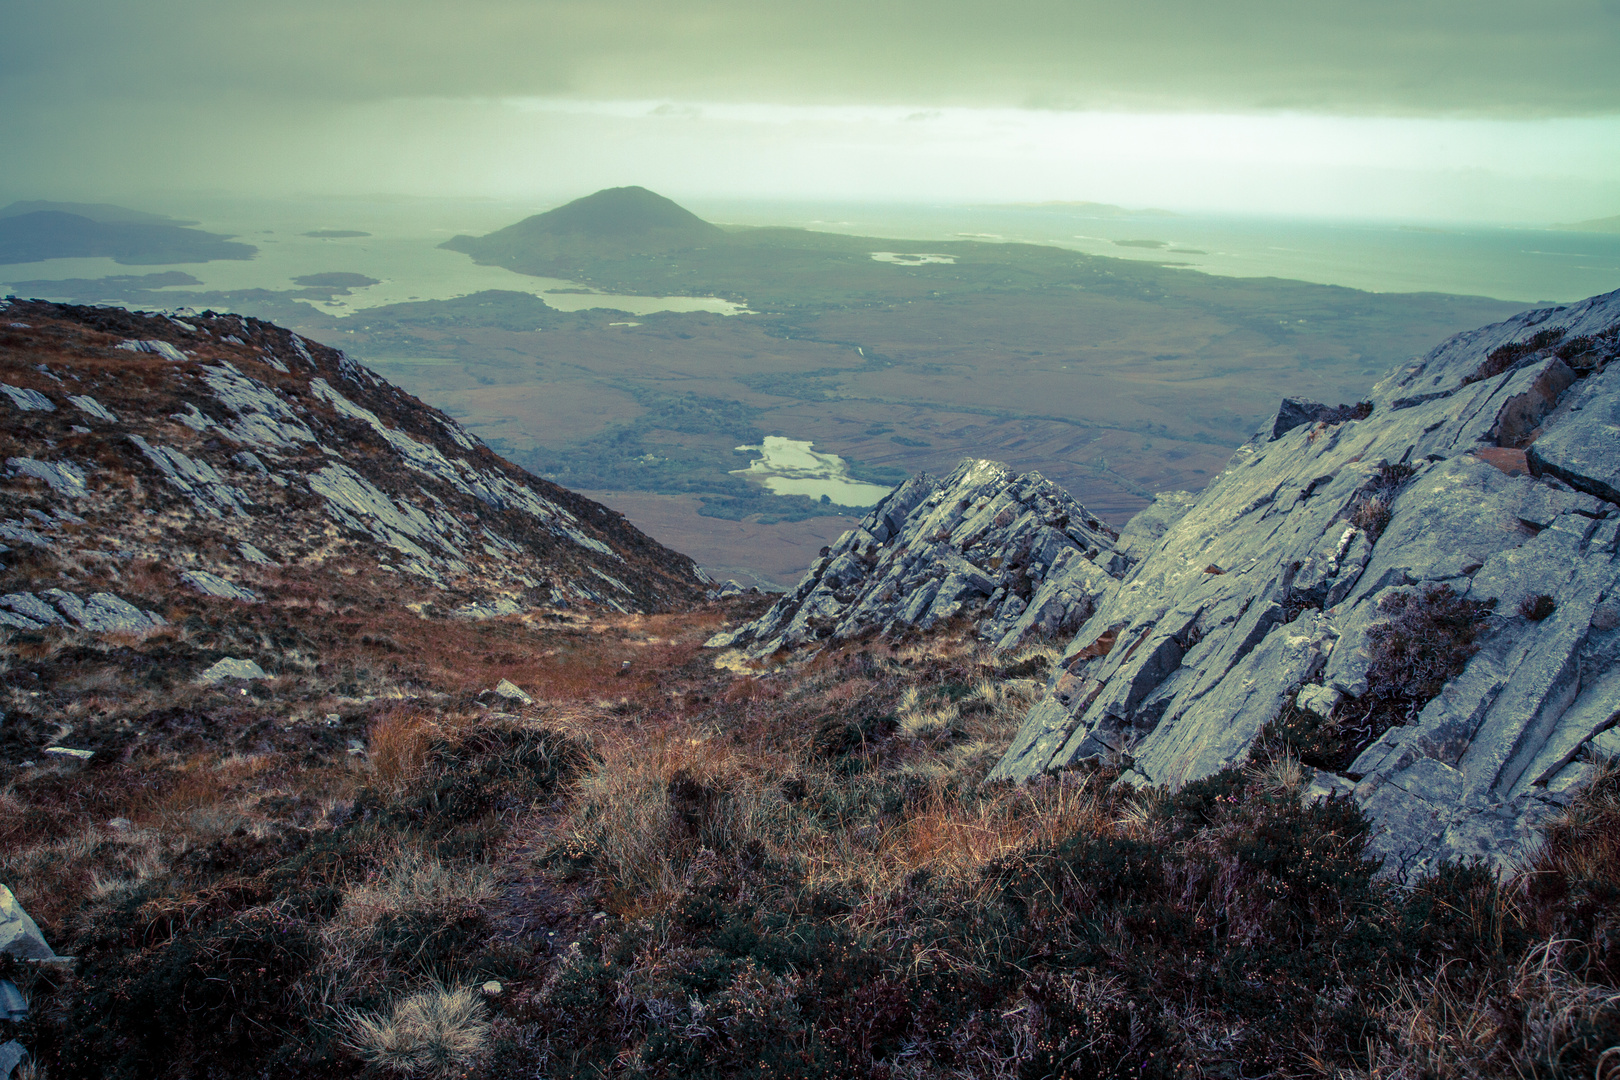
(618, 221)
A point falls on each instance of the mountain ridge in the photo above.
(1417, 597)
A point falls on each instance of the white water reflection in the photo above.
(901, 258)
(791, 467)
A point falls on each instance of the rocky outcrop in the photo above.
(1016, 555)
(101, 612)
(227, 452)
(1488, 467)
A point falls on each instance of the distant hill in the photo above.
(55, 234)
(1599, 225)
(616, 221)
(105, 212)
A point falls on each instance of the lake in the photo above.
(790, 467)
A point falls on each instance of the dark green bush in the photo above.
(208, 983)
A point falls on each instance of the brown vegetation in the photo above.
(692, 871)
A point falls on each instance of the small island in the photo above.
(336, 280)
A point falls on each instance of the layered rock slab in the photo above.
(1270, 587)
(1015, 554)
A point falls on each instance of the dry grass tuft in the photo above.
(398, 745)
(646, 809)
(1583, 842)
(956, 839)
(412, 881)
(920, 723)
(1281, 775)
(437, 1032)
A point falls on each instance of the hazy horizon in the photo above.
(1377, 111)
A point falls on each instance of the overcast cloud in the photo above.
(103, 95)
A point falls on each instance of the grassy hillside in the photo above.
(689, 871)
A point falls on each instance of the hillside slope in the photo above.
(1419, 597)
(230, 451)
(331, 829)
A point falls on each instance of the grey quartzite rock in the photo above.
(19, 936)
(1015, 554)
(102, 613)
(214, 585)
(232, 668)
(511, 691)
(1270, 584)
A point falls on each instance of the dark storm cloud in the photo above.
(1469, 57)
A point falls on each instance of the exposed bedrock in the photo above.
(1015, 554)
(1490, 466)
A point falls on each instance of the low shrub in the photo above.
(1537, 608)
(1506, 357)
(1426, 643)
(1372, 508)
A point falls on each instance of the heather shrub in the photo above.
(1504, 358)
(1372, 508)
(1425, 644)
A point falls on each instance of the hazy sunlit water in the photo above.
(402, 252)
(1527, 264)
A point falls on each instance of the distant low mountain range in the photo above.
(103, 212)
(35, 231)
(1598, 225)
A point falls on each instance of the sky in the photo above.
(1424, 109)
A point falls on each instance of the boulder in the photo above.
(1583, 447)
(1292, 413)
(102, 612)
(233, 668)
(12, 1054)
(214, 585)
(19, 936)
(511, 691)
